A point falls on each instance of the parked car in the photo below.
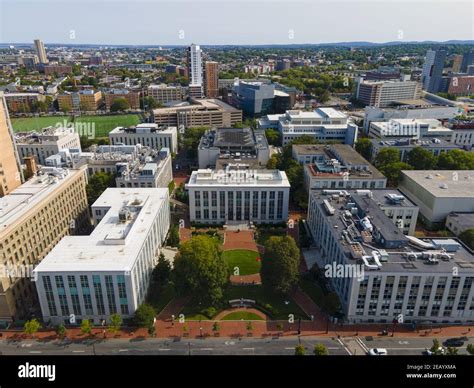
(377, 352)
(456, 342)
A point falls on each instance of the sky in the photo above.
(239, 22)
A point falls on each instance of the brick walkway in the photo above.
(246, 279)
(239, 240)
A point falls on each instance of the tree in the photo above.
(387, 156)
(470, 349)
(280, 264)
(61, 331)
(173, 236)
(31, 326)
(300, 350)
(216, 327)
(320, 350)
(451, 351)
(191, 139)
(249, 326)
(115, 323)
(86, 327)
(456, 160)
(364, 147)
(149, 103)
(120, 104)
(145, 315)
(467, 237)
(436, 348)
(97, 185)
(162, 272)
(273, 137)
(421, 159)
(200, 270)
(393, 172)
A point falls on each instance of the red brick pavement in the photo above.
(239, 240)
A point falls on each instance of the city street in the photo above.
(218, 346)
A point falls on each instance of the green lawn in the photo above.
(26, 124)
(242, 316)
(313, 290)
(268, 302)
(160, 300)
(244, 260)
(102, 124)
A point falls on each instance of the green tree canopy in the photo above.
(320, 350)
(273, 137)
(145, 315)
(31, 326)
(162, 272)
(456, 160)
(119, 104)
(387, 156)
(364, 147)
(200, 270)
(97, 185)
(421, 159)
(300, 350)
(280, 264)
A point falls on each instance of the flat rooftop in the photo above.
(403, 142)
(113, 245)
(357, 233)
(209, 104)
(443, 183)
(241, 178)
(349, 160)
(37, 189)
(465, 220)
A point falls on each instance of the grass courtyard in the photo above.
(246, 261)
(275, 306)
(102, 124)
(242, 316)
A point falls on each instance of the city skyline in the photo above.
(261, 23)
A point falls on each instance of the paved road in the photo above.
(209, 346)
(219, 346)
(406, 346)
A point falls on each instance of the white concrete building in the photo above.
(414, 128)
(107, 272)
(439, 193)
(147, 134)
(49, 141)
(232, 195)
(412, 109)
(324, 124)
(379, 273)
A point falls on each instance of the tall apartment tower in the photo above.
(10, 176)
(211, 76)
(433, 70)
(40, 50)
(194, 71)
